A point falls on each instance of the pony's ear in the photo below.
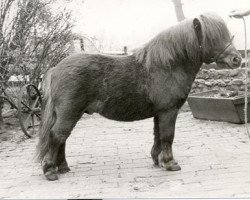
(197, 24)
(197, 28)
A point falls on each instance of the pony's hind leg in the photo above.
(61, 162)
(167, 122)
(59, 134)
(48, 163)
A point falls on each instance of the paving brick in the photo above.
(112, 159)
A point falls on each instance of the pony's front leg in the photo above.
(156, 149)
(167, 122)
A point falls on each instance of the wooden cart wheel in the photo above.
(29, 109)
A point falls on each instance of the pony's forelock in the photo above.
(214, 31)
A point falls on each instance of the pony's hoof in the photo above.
(51, 175)
(63, 169)
(172, 165)
(156, 162)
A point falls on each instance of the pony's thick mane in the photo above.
(180, 42)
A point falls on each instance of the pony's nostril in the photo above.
(236, 60)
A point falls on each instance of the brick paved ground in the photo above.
(112, 159)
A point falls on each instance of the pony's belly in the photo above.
(122, 110)
(126, 117)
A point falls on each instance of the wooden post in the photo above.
(125, 49)
(82, 44)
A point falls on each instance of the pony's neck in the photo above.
(176, 47)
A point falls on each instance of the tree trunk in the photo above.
(1, 116)
(178, 10)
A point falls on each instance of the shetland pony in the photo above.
(153, 82)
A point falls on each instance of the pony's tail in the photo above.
(48, 119)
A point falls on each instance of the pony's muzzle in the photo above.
(236, 61)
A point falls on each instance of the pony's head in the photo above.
(215, 41)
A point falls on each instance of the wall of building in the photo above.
(226, 80)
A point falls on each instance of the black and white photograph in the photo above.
(124, 99)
